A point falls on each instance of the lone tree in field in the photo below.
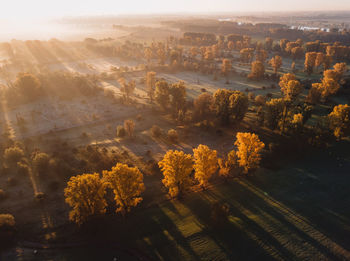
(276, 63)
(257, 71)
(127, 185)
(339, 120)
(150, 83)
(249, 147)
(85, 194)
(226, 68)
(205, 164)
(176, 167)
(129, 127)
(162, 94)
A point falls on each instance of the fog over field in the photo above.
(174, 130)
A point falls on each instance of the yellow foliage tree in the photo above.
(339, 120)
(310, 60)
(205, 164)
(127, 185)
(285, 79)
(176, 167)
(249, 149)
(257, 70)
(85, 194)
(292, 90)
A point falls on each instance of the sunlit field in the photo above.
(174, 136)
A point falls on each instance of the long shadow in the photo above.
(256, 207)
(149, 230)
(321, 195)
(234, 240)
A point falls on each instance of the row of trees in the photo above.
(86, 193)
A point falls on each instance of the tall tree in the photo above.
(249, 149)
(127, 185)
(85, 194)
(176, 167)
(205, 164)
(339, 120)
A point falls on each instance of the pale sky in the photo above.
(23, 9)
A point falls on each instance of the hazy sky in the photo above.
(17, 9)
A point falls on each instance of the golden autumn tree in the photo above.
(330, 86)
(339, 120)
(340, 68)
(85, 194)
(257, 71)
(205, 164)
(285, 79)
(176, 167)
(276, 63)
(310, 59)
(249, 149)
(292, 90)
(129, 126)
(127, 185)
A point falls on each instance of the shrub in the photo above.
(156, 131)
(121, 131)
(173, 135)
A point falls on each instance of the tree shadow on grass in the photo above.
(148, 232)
(244, 240)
